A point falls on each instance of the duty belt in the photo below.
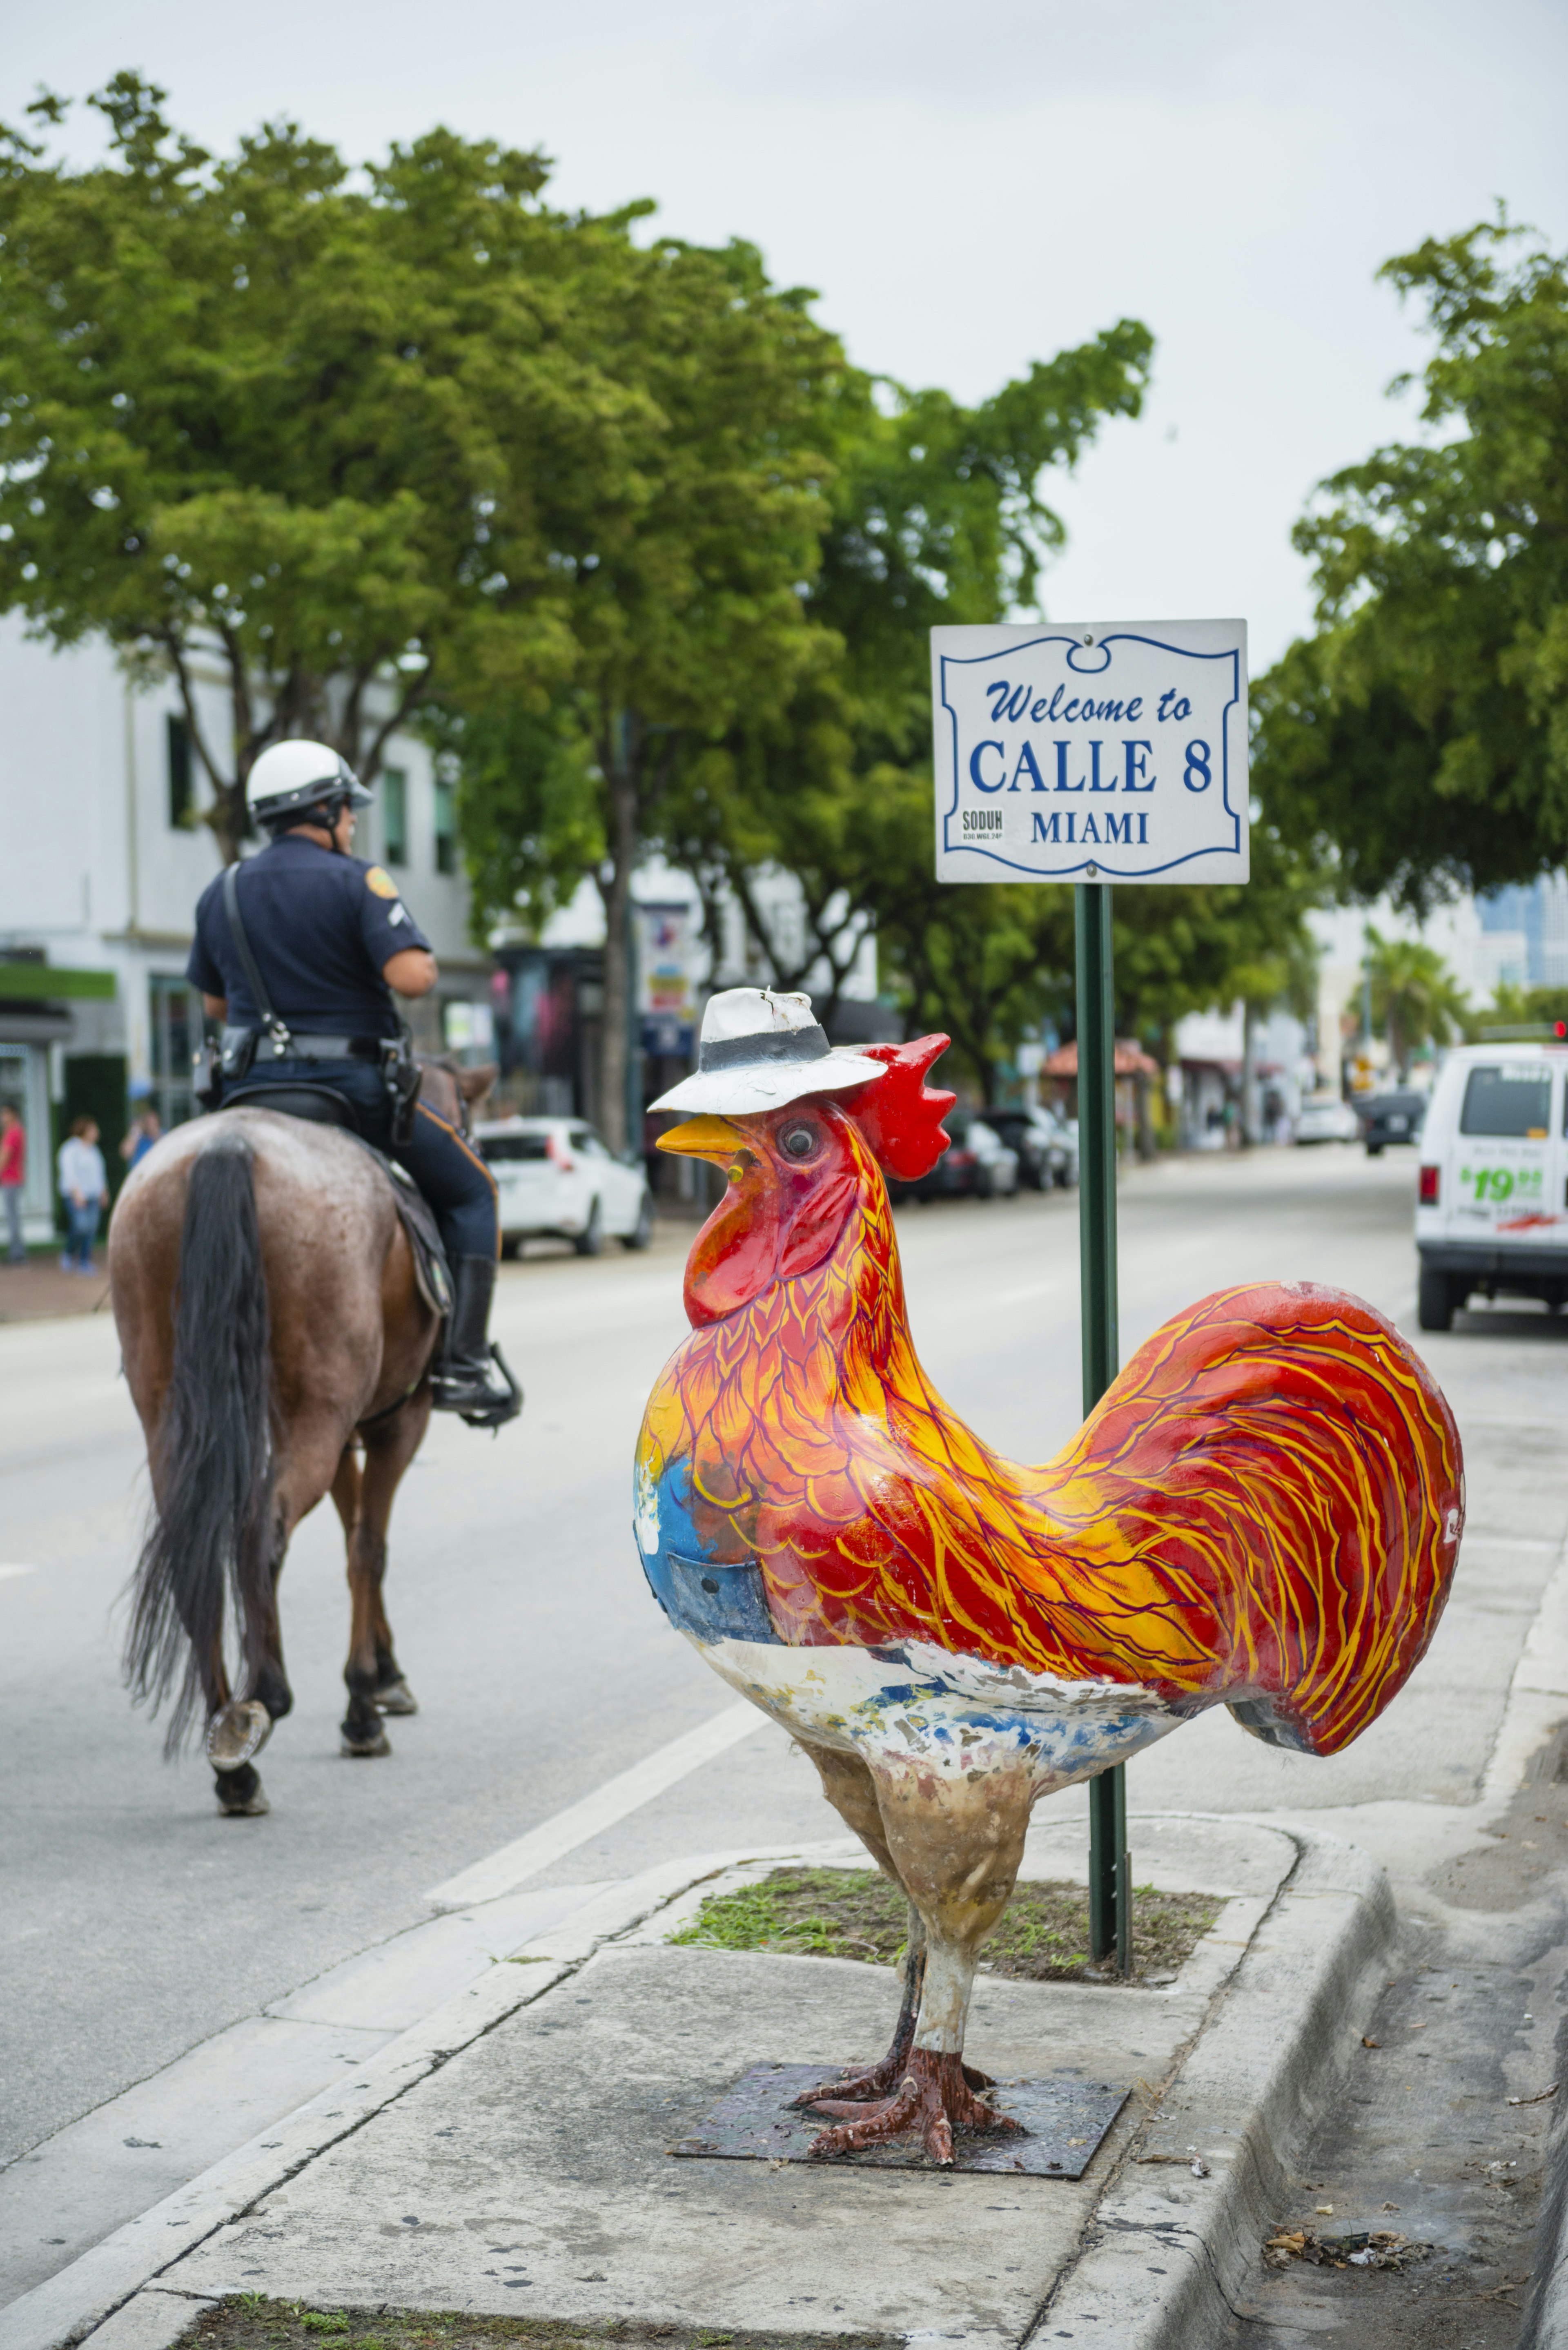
(292, 1044)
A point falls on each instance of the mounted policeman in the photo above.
(300, 953)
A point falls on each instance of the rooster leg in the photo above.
(881, 2080)
(955, 1842)
(851, 1790)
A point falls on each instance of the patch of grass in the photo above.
(851, 1913)
(251, 2321)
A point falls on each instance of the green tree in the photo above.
(528, 807)
(1414, 996)
(936, 514)
(1421, 735)
(939, 516)
(690, 616)
(787, 728)
(332, 434)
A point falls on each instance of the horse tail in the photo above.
(210, 1534)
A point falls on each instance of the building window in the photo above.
(174, 1012)
(445, 828)
(395, 815)
(181, 791)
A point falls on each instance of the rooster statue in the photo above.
(1263, 1512)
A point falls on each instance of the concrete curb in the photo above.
(1546, 2317)
(1274, 2049)
(1538, 1693)
(1538, 1699)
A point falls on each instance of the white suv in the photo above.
(1492, 1206)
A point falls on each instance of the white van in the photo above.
(1492, 1206)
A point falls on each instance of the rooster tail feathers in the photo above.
(1283, 1452)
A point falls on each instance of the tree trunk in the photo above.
(227, 819)
(616, 893)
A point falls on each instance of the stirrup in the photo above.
(485, 1393)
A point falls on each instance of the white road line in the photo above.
(502, 1872)
(7, 1571)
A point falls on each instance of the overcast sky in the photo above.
(970, 187)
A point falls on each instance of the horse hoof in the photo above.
(396, 1698)
(361, 1749)
(245, 1807)
(238, 1733)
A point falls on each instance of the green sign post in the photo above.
(1093, 754)
(1110, 1865)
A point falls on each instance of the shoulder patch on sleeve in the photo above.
(379, 879)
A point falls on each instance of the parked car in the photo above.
(1491, 1210)
(977, 1160)
(1045, 1145)
(1391, 1117)
(1323, 1117)
(557, 1177)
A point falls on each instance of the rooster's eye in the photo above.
(799, 1140)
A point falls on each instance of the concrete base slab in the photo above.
(529, 2173)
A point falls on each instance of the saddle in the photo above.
(322, 1107)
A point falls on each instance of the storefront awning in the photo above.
(46, 982)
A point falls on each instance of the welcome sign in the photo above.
(1110, 751)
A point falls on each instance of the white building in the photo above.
(1523, 940)
(102, 858)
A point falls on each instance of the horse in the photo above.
(272, 1328)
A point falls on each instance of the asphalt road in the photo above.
(135, 1922)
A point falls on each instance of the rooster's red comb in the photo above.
(899, 1115)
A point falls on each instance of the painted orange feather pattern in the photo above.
(1264, 1510)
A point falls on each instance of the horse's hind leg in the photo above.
(361, 1726)
(364, 1498)
(238, 1728)
(268, 1681)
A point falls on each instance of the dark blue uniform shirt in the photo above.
(320, 927)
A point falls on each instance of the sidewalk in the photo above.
(40, 1291)
(510, 2153)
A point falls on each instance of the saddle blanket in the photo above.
(431, 1271)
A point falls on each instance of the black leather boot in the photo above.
(471, 1377)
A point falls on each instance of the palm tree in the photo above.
(1415, 995)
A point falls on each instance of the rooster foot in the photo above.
(933, 2098)
(881, 2081)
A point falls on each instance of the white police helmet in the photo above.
(295, 777)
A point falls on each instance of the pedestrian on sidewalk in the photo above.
(84, 1187)
(144, 1131)
(13, 1175)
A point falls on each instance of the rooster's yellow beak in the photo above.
(703, 1138)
